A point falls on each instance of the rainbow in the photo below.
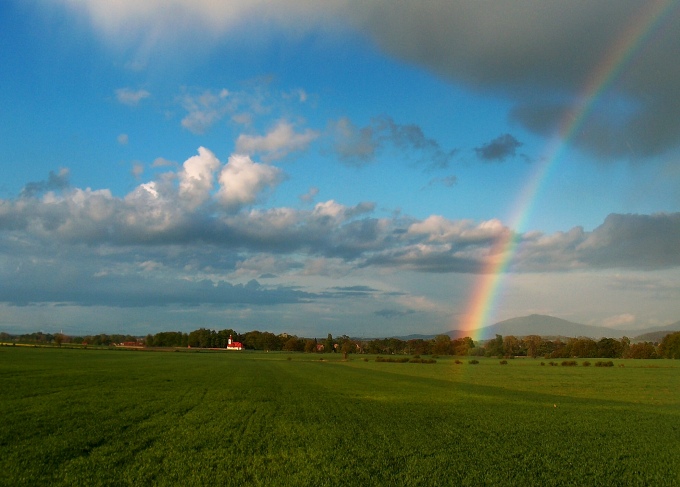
(483, 299)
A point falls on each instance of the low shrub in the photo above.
(423, 361)
(586, 364)
(400, 360)
(601, 363)
(458, 362)
(542, 363)
(569, 363)
(552, 363)
(504, 362)
(473, 362)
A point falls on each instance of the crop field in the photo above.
(100, 417)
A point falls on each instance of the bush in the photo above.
(586, 364)
(473, 362)
(458, 362)
(542, 363)
(569, 363)
(401, 360)
(552, 363)
(423, 361)
(504, 362)
(601, 363)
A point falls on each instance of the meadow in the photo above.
(112, 417)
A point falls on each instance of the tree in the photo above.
(310, 346)
(462, 346)
(328, 344)
(609, 348)
(59, 338)
(442, 345)
(510, 346)
(348, 346)
(670, 345)
(645, 350)
(533, 345)
(294, 344)
(494, 348)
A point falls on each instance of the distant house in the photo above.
(232, 345)
(128, 344)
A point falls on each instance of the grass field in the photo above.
(98, 417)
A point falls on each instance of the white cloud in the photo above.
(131, 97)
(204, 109)
(197, 177)
(242, 181)
(619, 321)
(439, 229)
(162, 162)
(137, 170)
(309, 196)
(278, 143)
(510, 46)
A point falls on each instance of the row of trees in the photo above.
(508, 346)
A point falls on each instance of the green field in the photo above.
(99, 417)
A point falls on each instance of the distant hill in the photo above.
(549, 326)
(657, 336)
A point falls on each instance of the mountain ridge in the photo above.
(545, 325)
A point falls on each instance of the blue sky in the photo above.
(344, 168)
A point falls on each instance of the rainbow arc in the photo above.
(487, 289)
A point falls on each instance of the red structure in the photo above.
(232, 345)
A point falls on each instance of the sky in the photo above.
(362, 168)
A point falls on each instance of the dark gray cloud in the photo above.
(55, 182)
(498, 149)
(394, 313)
(358, 146)
(533, 50)
(447, 181)
(639, 241)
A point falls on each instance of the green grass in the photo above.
(96, 417)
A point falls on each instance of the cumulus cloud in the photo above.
(498, 149)
(196, 178)
(530, 51)
(201, 224)
(130, 97)
(276, 144)
(242, 181)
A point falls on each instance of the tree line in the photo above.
(501, 346)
